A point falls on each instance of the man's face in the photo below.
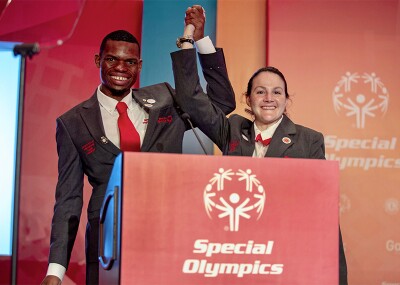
(119, 65)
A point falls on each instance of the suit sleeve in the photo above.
(69, 198)
(219, 88)
(191, 98)
(317, 149)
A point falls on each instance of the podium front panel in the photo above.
(195, 219)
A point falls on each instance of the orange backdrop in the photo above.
(341, 61)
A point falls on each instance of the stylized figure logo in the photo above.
(234, 196)
(360, 96)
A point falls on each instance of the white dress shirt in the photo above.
(109, 115)
(260, 150)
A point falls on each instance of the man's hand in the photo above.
(51, 280)
(196, 16)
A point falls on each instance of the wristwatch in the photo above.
(181, 40)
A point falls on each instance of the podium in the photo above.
(196, 219)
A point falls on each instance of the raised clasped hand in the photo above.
(196, 16)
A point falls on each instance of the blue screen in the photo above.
(9, 94)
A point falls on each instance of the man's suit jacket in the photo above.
(235, 135)
(83, 149)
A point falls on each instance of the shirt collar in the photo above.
(110, 104)
(269, 132)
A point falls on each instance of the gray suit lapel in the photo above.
(150, 130)
(248, 140)
(91, 116)
(279, 143)
(151, 105)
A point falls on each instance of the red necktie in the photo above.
(129, 137)
(264, 142)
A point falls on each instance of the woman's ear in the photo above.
(248, 100)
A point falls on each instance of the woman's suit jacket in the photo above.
(289, 139)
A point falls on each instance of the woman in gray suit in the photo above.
(270, 134)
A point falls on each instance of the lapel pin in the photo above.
(151, 101)
(104, 140)
(244, 137)
(148, 105)
(286, 140)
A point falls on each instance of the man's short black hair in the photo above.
(119, 35)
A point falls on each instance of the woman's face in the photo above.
(267, 99)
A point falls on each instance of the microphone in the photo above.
(185, 116)
(26, 49)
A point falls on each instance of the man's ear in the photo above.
(97, 60)
(140, 65)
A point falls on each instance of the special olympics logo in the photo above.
(234, 196)
(360, 96)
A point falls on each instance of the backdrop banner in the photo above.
(62, 75)
(341, 62)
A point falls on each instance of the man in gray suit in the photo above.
(88, 137)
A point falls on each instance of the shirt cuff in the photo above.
(205, 46)
(56, 270)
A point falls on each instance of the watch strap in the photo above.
(182, 40)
